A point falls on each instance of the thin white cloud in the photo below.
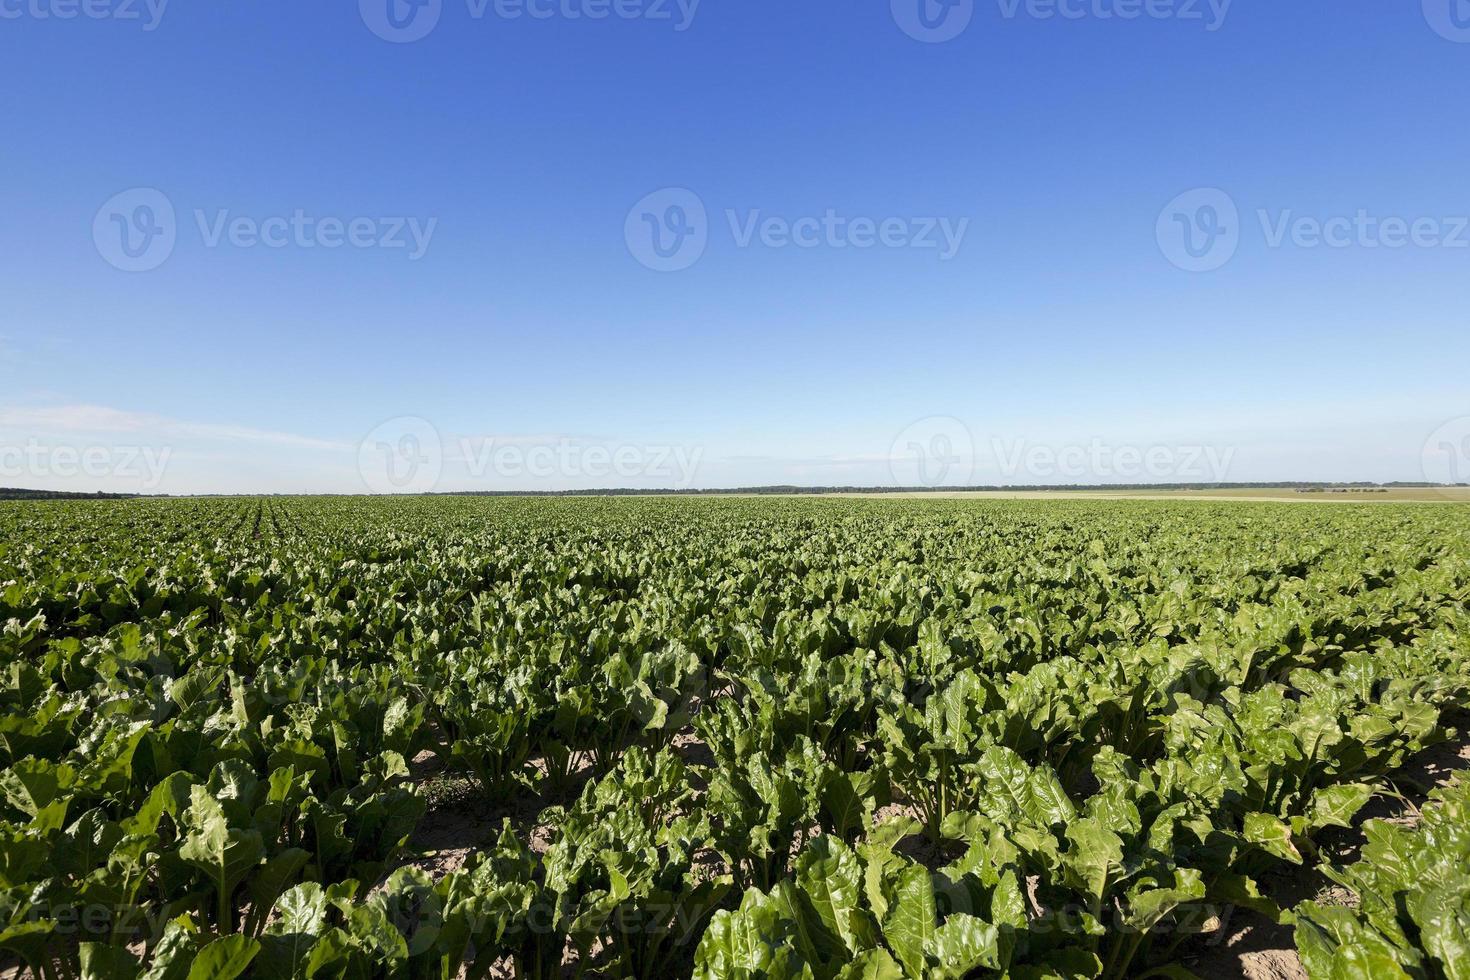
(240, 433)
(99, 419)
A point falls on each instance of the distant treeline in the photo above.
(13, 493)
(1009, 488)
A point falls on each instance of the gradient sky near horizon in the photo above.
(558, 244)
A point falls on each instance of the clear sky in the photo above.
(547, 244)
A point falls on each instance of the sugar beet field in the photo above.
(733, 738)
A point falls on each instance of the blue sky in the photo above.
(496, 323)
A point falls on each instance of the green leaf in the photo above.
(1335, 806)
(224, 854)
(170, 797)
(1235, 889)
(748, 942)
(29, 940)
(1011, 790)
(1095, 858)
(224, 959)
(1271, 834)
(86, 844)
(33, 784)
(272, 880)
(1147, 906)
(302, 908)
(102, 962)
(1334, 945)
(195, 687)
(831, 876)
(1443, 918)
(331, 955)
(875, 964)
(964, 944)
(174, 954)
(910, 925)
(847, 801)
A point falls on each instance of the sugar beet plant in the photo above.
(762, 738)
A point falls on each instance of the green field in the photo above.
(724, 738)
(1394, 495)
